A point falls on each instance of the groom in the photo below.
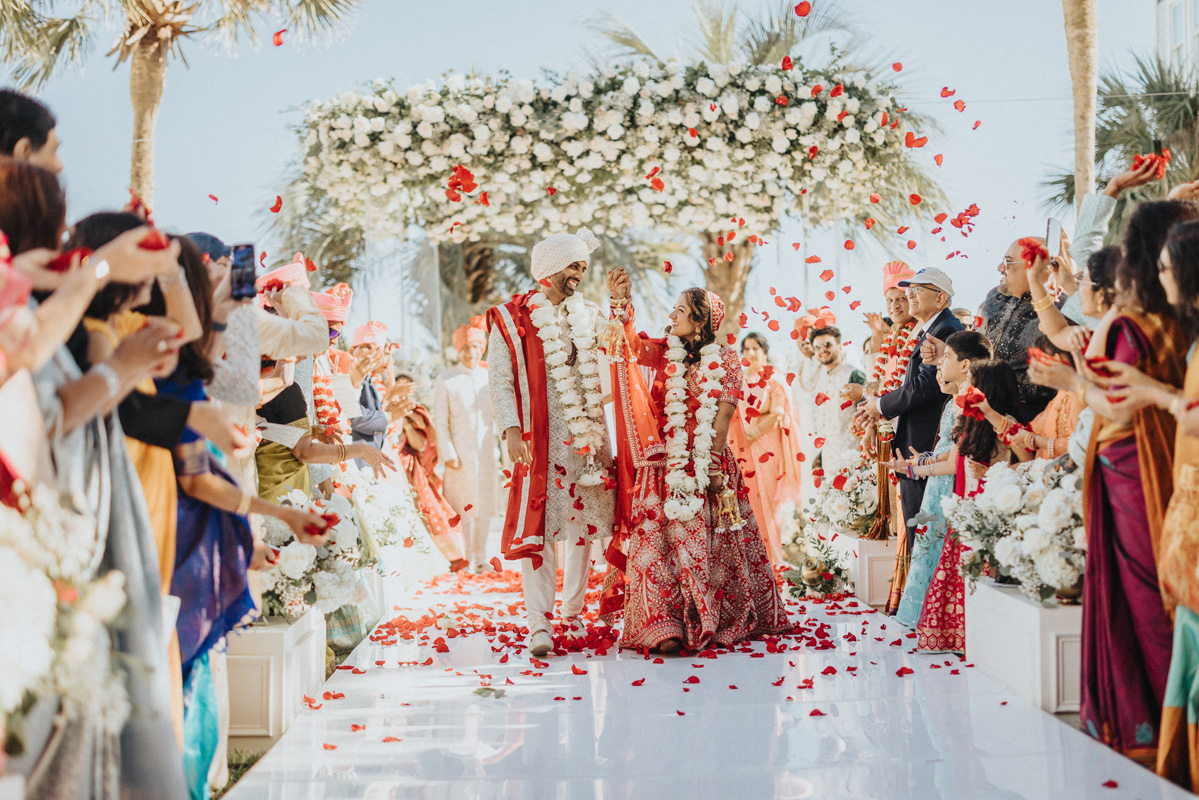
(545, 391)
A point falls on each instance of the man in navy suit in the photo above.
(915, 407)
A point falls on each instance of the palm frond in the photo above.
(716, 40)
(315, 16)
(777, 33)
(306, 225)
(625, 41)
(37, 46)
(1152, 101)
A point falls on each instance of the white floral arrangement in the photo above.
(306, 576)
(384, 510)
(580, 394)
(687, 467)
(61, 641)
(1026, 522)
(685, 146)
(847, 502)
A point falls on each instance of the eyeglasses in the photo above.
(912, 288)
(1010, 263)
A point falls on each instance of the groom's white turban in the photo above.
(555, 253)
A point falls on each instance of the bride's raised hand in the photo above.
(620, 285)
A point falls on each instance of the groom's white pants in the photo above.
(540, 585)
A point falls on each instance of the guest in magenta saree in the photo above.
(690, 570)
(1126, 632)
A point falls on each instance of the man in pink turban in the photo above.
(368, 348)
(465, 424)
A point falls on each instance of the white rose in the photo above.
(631, 86)
(1007, 550)
(1036, 540)
(1007, 499)
(1055, 512)
(295, 559)
(774, 84)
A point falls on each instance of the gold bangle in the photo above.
(1043, 304)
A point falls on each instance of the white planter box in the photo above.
(12, 787)
(272, 665)
(1035, 649)
(869, 562)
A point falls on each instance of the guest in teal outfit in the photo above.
(953, 372)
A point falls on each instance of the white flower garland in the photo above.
(584, 410)
(685, 499)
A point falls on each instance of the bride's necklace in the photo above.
(687, 469)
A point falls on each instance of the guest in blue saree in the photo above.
(953, 372)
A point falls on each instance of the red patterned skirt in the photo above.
(688, 582)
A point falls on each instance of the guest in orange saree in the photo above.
(767, 445)
(417, 443)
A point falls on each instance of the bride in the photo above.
(690, 569)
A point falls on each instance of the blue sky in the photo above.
(224, 127)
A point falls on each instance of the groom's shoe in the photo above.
(540, 644)
(574, 628)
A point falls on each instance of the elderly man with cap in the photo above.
(546, 391)
(914, 406)
(465, 426)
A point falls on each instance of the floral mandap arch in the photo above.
(721, 152)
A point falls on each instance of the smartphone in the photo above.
(243, 273)
(1157, 146)
(1053, 238)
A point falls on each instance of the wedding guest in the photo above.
(215, 547)
(417, 442)
(1129, 465)
(1049, 432)
(1178, 551)
(966, 317)
(915, 405)
(962, 350)
(28, 131)
(823, 374)
(894, 344)
(1010, 322)
(767, 444)
(977, 446)
(370, 361)
(465, 425)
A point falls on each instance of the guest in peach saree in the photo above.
(767, 445)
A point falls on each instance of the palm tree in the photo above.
(826, 38)
(1082, 48)
(1155, 102)
(37, 42)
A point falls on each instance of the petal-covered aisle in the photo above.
(840, 708)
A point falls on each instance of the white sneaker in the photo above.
(540, 644)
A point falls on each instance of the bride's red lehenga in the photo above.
(676, 579)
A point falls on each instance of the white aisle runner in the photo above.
(740, 725)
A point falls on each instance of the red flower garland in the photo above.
(901, 344)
